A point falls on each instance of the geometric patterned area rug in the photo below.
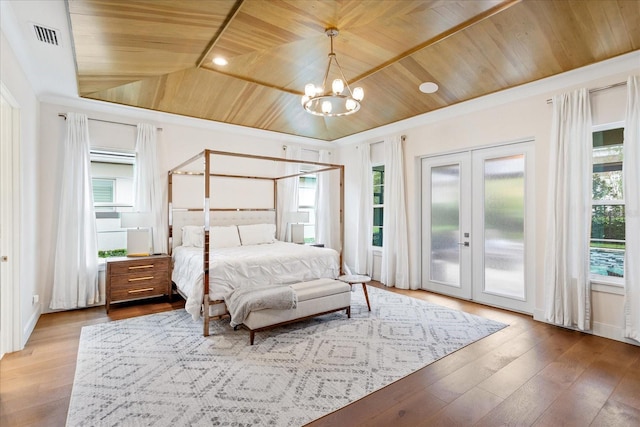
(158, 370)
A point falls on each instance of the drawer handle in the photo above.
(135, 291)
(138, 267)
(137, 279)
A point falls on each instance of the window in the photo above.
(103, 192)
(112, 183)
(307, 203)
(378, 204)
(607, 215)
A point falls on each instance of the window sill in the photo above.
(608, 285)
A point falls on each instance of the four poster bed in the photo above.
(217, 251)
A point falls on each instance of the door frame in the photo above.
(10, 329)
(530, 255)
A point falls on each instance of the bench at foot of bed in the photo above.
(315, 298)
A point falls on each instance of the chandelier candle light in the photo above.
(337, 103)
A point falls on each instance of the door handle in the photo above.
(463, 243)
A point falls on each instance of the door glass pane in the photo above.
(445, 224)
(504, 226)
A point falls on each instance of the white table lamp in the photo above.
(138, 232)
(297, 221)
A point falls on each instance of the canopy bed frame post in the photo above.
(170, 213)
(341, 217)
(205, 277)
(170, 231)
(275, 203)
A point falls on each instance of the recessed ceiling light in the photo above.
(218, 60)
(428, 87)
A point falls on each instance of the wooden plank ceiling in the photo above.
(157, 54)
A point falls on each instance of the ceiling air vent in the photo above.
(47, 35)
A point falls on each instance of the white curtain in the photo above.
(395, 241)
(631, 182)
(287, 200)
(148, 186)
(364, 221)
(567, 285)
(75, 279)
(325, 186)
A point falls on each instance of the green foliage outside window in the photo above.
(112, 253)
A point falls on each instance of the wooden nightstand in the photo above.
(129, 278)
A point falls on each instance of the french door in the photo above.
(477, 225)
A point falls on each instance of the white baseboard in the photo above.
(604, 330)
(612, 332)
(30, 326)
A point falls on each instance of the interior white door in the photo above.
(477, 225)
(5, 141)
(446, 224)
(4, 108)
(10, 336)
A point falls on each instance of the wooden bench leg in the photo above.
(205, 317)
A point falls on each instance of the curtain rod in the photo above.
(105, 121)
(598, 89)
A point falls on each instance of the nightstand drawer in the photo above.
(129, 293)
(140, 266)
(138, 280)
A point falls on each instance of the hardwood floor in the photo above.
(529, 373)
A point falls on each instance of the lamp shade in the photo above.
(297, 233)
(139, 239)
(135, 220)
(337, 86)
(358, 94)
(298, 217)
(310, 90)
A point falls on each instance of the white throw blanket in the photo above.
(243, 301)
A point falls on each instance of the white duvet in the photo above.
(249, 266)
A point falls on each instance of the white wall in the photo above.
(517, 114)
(15, 80)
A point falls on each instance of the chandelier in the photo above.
(339, 102)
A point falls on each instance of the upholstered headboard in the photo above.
(218, 218)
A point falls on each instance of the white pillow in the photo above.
(224, 237)
(193, 235)
(257, 234)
